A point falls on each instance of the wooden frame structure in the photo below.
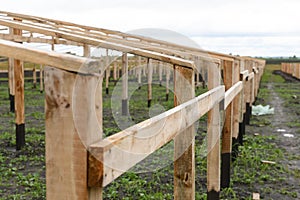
(78, 162)
(292, 69)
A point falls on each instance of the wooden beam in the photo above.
(150, 73)
(59, 60)
(125, 84)
(184, 142)
(74, 107)
(228, 74)
(123, 150)
(232, 93)
(19, 99)
(98, 42)
(41, 79)
(31, 39)
(213, 139)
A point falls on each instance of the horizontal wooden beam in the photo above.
(231, 93)
(62, 61)
(255, 70)
(30, 39)
(99, 43)
(116, 154)
(244, 75)
(250, 76)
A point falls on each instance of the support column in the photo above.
(73, 110)
(107, 72)
(160, 73)
(19, 98)
(11, 84)
(34, 76)
(184, 142)
(150, 72)
(124, 84)
(167, 82)
(228, 73)
(41, 79)
(139, 68)
(213, 139)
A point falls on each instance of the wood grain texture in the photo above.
(73, 121)
(123, 150)
(213, 137)
(51, 58)
(184, 142)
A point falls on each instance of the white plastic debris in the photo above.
(262, 110)
(281, 130)
(288, 135)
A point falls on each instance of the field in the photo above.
(22, 173)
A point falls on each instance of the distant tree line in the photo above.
(279, 60)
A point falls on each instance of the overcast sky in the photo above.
(244, 27)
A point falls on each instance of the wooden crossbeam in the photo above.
(99, 43)
(51, 58)
(232, 93)
(123, 150)
(31, 39)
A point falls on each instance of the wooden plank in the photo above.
(123, 150)
(99, 42)
(150, 73)
(232, 93)
(184, 142)
(59, 60)
(160, 69)
(107, 72)
(244, 75)
(228, 74)
(124, 84)
(86, 50)
(117, 34)
(30, 39)
(236, 111)
(19, 99)
(139, 68)
(34, 76)
(74, 107)
(11, 84)
(41, 79)
(168, 74)
(213, 139)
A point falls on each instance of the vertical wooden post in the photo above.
(160, 73)
(167, 82)
(228, 73)
(236, 112)
(74, 107)
(150, 71)
(242, 112)
(41, 79)
(184, 142)
(248, 92)
(19, 98)
(107, 72)
(213, 139)
(34, 76)
(52, 45)
(139, 68)
(11, 84)
(86, 50)
(124, 84)
(115, 71)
